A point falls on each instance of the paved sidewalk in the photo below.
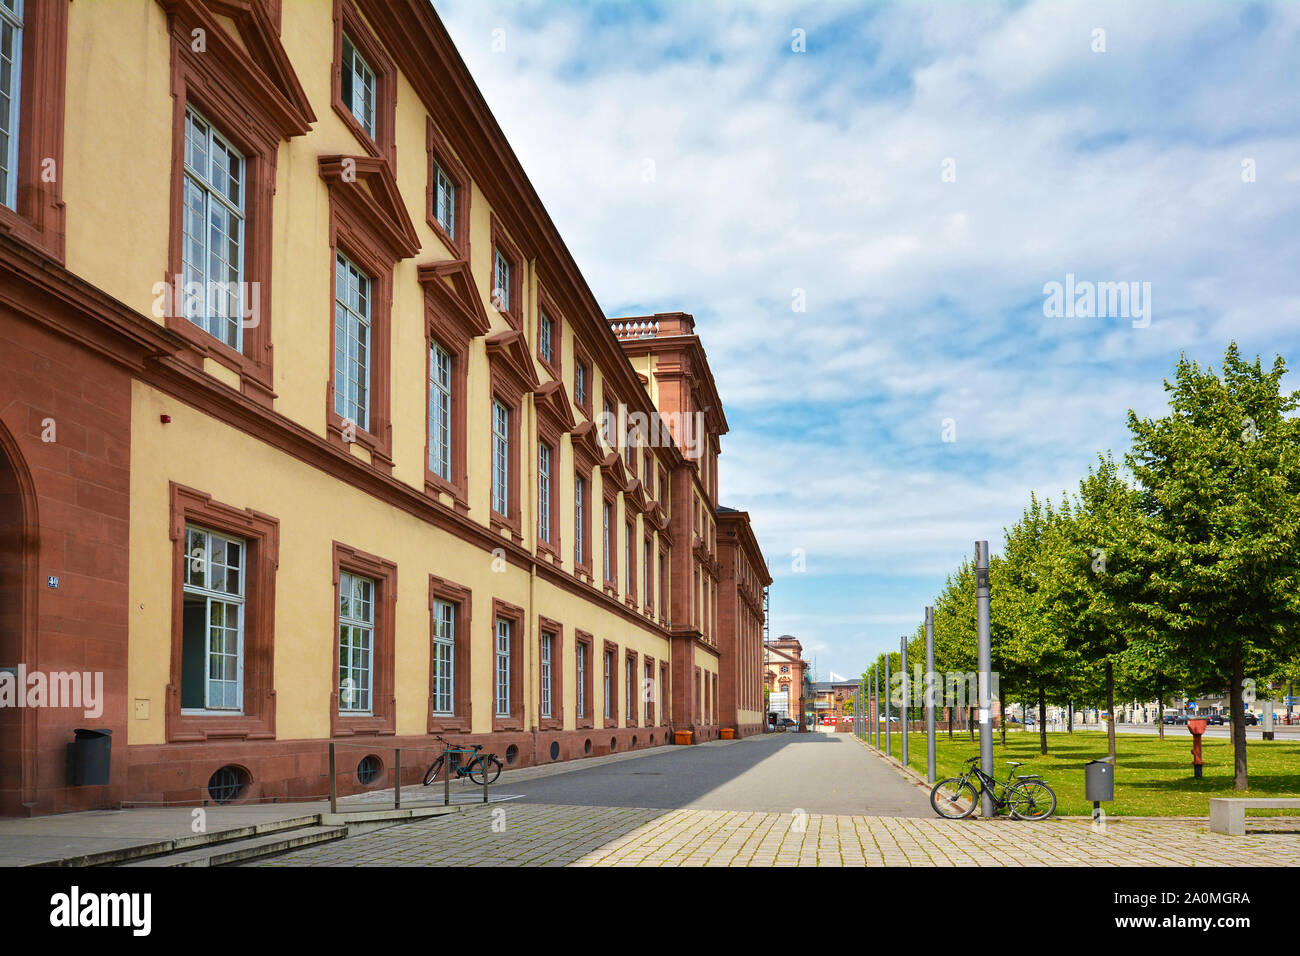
(520, 834)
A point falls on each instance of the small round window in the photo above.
(512, 753)
(368, 769)
(613, 743)
(555, 750)
(586, 746)
(227, 784)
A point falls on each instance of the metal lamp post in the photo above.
(985, 664)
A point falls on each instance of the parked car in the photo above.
(1175, 718)
(786, 723)
(1213, 719)
(1250, 720)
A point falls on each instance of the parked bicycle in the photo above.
(481, 768)
(1027, 798)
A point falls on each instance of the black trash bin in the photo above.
(1099, 780)
(88, 758)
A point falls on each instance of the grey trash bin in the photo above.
(1099, 780)
(88, 758)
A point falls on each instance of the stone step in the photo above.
(124, 855)
(254, 848)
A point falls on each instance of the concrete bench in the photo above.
(1228, 814)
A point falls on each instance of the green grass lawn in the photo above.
(1153, 777)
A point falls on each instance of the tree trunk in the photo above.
(1070, 717)
(1110, 707)
(1002, 711)
(1042, 719)
(1160, 711)
(970, 721)
(1238, 706)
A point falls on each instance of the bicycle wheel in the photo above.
(486, 766)
(1033, 800)
(954, 799)
(431, 774)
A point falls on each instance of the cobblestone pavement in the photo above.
(520, 834)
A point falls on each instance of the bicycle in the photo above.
(1029, 798)
(481, 768)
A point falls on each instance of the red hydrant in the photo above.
(1197, 727)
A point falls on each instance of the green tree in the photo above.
(1220, 480)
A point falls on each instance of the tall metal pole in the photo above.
(985, 664)
(875, 708)
(889, 738)
(930, 773)
(902, 654)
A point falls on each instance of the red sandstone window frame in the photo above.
(609, 549)
(512, 520)
(649, 665)
(438, 151)
(610, 649)
(384, 143)
(584, 533)
(546, 307)
(503, 610)
(664, 596)
(261, 534)
(201, 81)
(629, 559)
(634, 659)
(382, 718)
(546, 625)
(462, 599)
(585, 642)
(648, 556)
(443, 330)
(501, 241)
(350, 239)
(38, 219)
(665, 711)
(583, 360)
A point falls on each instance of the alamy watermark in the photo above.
(656, 430)
(20, 687)
(1084, 299)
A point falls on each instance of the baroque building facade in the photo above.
(312, 431)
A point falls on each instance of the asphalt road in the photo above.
(815, 772)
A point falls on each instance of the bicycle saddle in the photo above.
(1015, 763)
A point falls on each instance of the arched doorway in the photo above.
(17, 619)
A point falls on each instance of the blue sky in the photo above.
(822, 171)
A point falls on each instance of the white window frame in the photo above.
(444, 658)
(500, 458)
(502, 684)
(581, 670)
(607, 508)
(580, 383)
(440, 411)
(444, 199)
(353, 342)
(501, 281)
(354, 585)
(545, 455)
(364, 81)
(547, 649)
(218, 310)
(629, 667)
(11, 117)
(199, 549)
(579, 518)
(609, 683)
(545, 337)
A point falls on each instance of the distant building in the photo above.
(786, 672)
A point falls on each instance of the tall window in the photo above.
(545, 332)
(663, 584)
(629, 556)
(609, 684)
(501, 281)
(444, 656)
(356, 642)
(648, 683)
(351, 343)
(649, 575)
(609, 545)
(444, 200)
(548, 647)
(581, 702)
(579, 518)
(544, 491)
(11, 46)
(629, 675)
(440, 412)
(500, 458)
(503, 668)
(358, 87)
(212, 669)
(212, 249)
(580, 383)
